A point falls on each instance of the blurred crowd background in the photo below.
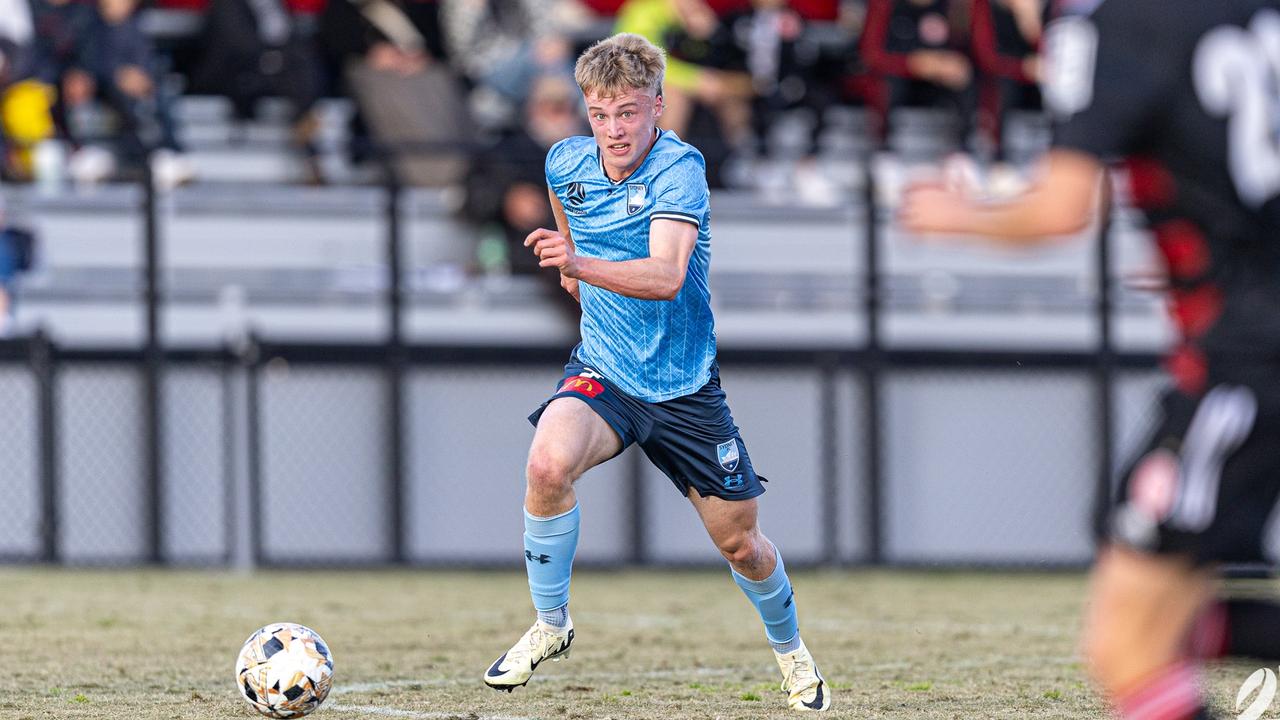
(274, 256)
(467, 91)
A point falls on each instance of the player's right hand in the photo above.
(553, 250)
(534, 240)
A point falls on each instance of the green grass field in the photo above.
(669, 645)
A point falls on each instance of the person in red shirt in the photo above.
(916, 56)
(1005, 36)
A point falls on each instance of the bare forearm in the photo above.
(1030, 218)
(1061, 202)
(645, 278)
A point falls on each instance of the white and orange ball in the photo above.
(284, 670)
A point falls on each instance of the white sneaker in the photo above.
(813, 187)
(801, 681)
(170, 169)
(516, 666)
(91, 165)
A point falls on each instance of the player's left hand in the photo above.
(934, 208)
(553, 250)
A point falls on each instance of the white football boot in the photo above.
(516, 666)
(801, 681)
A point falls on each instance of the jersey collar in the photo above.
(657, 132)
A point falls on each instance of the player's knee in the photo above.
(548, 473)
(740, 548)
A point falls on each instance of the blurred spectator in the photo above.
(16, 249)
(506, 189)
(603, 8)
(706, 66)
(252, 51)
(789, 73)
(394, 62)
(24, 101)
(500, 46)
(1006, 41)
(917, 58)
(63, 28)
(17, 40)
(120, 71)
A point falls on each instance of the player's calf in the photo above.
(774, 599)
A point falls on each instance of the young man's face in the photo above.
(623, 126)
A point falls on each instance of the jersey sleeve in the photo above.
(680, 192)
(1107, 75)
(553, 164)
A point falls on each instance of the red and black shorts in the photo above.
(1207, 483)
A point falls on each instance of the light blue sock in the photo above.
(775, 602)
(549, 545)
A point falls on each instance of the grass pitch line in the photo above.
(422, 715)
(351, 688)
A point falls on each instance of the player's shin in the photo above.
(775, 601)
(549, 547)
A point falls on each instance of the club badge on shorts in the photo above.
(636, 195)
(727, 453)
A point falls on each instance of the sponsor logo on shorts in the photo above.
(734, 482)
(1153, 492)
(1153, 488)
(582, 385)
(727, 453)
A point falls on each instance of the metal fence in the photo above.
(278, 453)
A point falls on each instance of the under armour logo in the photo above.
(540, 559)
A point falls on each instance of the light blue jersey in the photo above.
(654, 350)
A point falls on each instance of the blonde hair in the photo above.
(621, 63)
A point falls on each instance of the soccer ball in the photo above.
(284, 670)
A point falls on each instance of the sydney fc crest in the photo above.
(727, 453)
(637, 193)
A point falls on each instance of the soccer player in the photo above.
(1187, 94)
(633, 244)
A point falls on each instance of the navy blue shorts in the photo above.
(691, 439)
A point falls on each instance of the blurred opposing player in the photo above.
(1187, 95)
(633, 244)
